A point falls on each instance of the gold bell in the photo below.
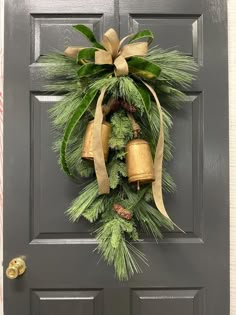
(139, 162)
(87, 150)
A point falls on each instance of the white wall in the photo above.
(232, 108)
(232, 130)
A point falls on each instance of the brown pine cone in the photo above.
(128, 107)
(116, 104)
(122, 212)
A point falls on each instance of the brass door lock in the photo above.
(16, 268)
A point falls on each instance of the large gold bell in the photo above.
(87, 150)
(139, 162)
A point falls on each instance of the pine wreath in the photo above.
(85, 76)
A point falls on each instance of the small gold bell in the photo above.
(139, 162)
(87, 150)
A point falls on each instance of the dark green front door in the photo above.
(188, 274)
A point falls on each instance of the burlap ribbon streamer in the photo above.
(158, 161)
(72, 51)
(99, 162)
(116, 55)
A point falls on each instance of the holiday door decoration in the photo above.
(112, 127)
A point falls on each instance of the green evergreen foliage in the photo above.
(61, 70)
(123, 87)
(150, 126)
(62, 111)
(116, 236)
(121, 131)
(95, 209)
(177, 69)
(116, 170)
(83, 201)
(117, 250)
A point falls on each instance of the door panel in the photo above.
(185, 205)
(52, 32)
(188, 273)
(175, 31)
(45, 172)
(67, 302)
(168, 302)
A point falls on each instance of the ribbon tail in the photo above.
(99, 161)
(72, 51)
(157, 184)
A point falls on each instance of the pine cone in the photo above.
(116, 104)
(122, 212)
(128, 107)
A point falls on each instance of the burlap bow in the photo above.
(115, 54)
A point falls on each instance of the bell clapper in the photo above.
(138, 185)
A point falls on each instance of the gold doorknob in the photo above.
(15, 268)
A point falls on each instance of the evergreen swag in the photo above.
(122, 214)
